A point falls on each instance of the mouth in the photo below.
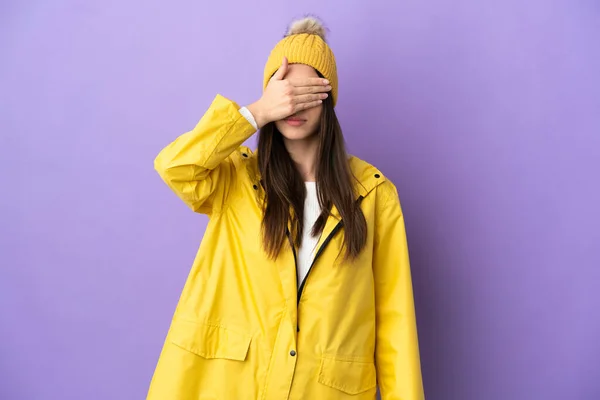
(294, 121)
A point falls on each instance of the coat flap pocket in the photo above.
(209, 341)
(348, 375)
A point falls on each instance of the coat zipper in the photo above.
(325, 242)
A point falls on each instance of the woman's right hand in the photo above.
(284, 97)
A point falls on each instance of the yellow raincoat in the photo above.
(242, 328)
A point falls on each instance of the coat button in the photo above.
(292, 353)
(255, 187)
(377, 176)
(245, 155)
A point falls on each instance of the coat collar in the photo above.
(367, 178)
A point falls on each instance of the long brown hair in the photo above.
(285, 190)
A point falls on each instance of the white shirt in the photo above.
(248, 115)
(308, 244)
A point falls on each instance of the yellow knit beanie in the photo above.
(305, 43)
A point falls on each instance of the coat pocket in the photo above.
(210, 341)
(351, 376)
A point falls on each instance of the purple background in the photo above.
(486, 114)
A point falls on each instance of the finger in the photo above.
(300, 82)
(306, 106)
(309, 98)
(311, 89)
(282, 70)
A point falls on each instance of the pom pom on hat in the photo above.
(310, 25)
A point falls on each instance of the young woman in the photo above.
(301, 288)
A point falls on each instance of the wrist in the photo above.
(258, 114)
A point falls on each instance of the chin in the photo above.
(294, 133)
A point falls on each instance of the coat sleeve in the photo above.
(397, 348)
(198, 165)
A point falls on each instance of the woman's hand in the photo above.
(284, 97)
